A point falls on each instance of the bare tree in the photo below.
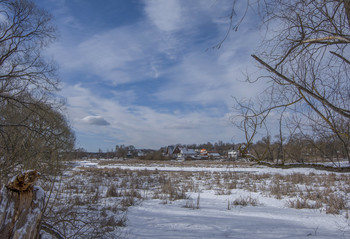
(34, 134)
(306, 56)
(32, 127)
(24, 30)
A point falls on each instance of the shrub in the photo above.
(245, 201)
(112, 191)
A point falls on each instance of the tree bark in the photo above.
(21, 208)
(347, 10)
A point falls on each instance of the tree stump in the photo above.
(21, 207)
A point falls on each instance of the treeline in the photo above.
(299, 148)
(123, 151)
(120, 151)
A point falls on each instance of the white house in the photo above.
(186, 153)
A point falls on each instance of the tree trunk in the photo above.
(21, 208)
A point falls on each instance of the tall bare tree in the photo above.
(24, 30)
(32, 127)
(307, 57)
(34, 134)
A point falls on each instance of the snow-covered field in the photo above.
(216, 218)
(214, 201)
(270, 219)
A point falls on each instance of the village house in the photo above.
(186, 153)
(214, 155)
(204, 152)
(172, 151)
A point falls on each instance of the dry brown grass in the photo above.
(304, 203)
(91, 190)
(174, 163)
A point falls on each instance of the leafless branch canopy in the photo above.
(307, 57)
(32, 127)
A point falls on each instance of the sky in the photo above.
(147, 73)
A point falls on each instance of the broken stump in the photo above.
(21, 207)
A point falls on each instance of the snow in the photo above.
(39, 194)
(154, 219)
(270, 219)
(217, 217)
(86, 163)
(258, 169)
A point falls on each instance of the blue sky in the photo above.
(144, 73)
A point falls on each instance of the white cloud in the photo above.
(162, 46)
(142, 126)
(165, 15)
(120, 55)
(200, 79)
(138, 51)
(214, 76)
(95, 120)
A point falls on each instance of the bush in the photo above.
(112, 191)
(245, 201)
